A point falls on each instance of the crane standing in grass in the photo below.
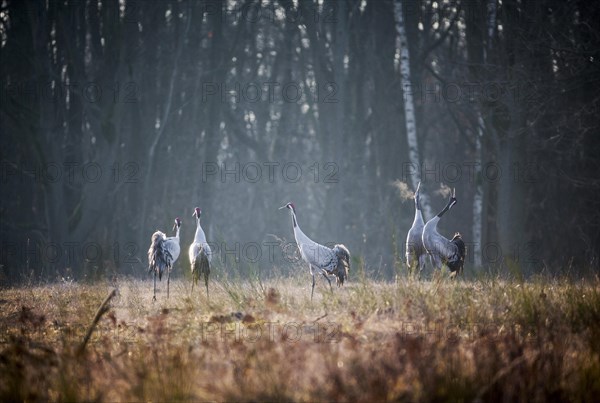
(200, 254)
(443, 250)
(416, 254)
(321, 259)
(163, 254)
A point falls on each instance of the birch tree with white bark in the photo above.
(409, 107)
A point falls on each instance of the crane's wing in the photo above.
(438, 245)
(157, 260)
(207, 250)
(318, 255)
(192, 252)
(172, 250)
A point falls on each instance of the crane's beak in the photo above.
(282, 207)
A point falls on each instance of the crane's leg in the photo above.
(312, 290)
(422, 263)
(327, 278)
(206, 283)
(168, 280)
(410, 263)
(436, 262)
(193, 277)
(414, 265)
(154, 296)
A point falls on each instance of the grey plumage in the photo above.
(442, 250)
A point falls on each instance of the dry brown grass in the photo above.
(487, 339)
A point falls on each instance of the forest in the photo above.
(118, 116)
(122, 117)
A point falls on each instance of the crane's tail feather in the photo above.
(456, 262)
(343, 264)
(201, 266)
(158, 257)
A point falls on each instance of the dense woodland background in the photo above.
(117, 116)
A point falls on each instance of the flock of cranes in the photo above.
(423, 240)
(164, 251)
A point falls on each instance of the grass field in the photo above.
(488, 339)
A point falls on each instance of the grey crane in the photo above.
(416, 255)
(442, 250)
(163, 254)
(200, 254)
(321, 259)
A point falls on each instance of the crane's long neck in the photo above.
(301, 238)
(177, 232)
(448, 206)
(297, 230)
(200, 237)
(418, 214)
(294, 222)
(431, 226)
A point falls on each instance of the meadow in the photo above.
(488, 339)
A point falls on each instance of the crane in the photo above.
(200, 253)
(163, 254)
(321, 259)
(442, 250)
(416, 254)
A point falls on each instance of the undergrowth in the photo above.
(488, 339)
